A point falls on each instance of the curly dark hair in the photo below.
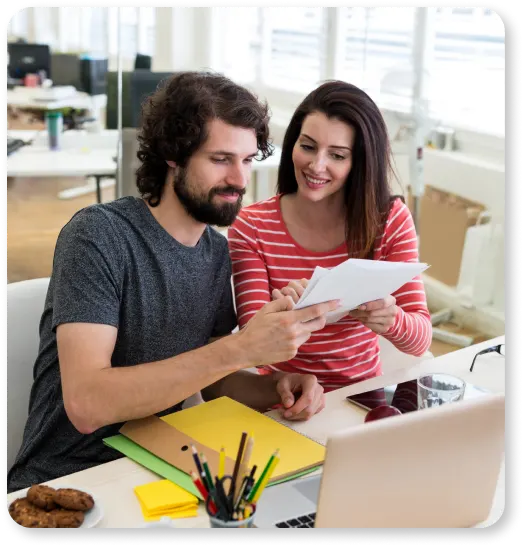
(174, 118)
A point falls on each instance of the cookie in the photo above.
(67, 519)
(42, 496)
(26, 514)
(69, 498)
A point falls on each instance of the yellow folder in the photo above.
(221, 422)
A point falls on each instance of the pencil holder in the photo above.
(218, 523)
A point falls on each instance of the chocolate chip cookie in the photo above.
(26, 514)
(42, 496)
(67, 519)
(72, 499)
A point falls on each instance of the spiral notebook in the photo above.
(163, 444)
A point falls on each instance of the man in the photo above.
(140, 287)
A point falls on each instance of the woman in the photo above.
(333, 202)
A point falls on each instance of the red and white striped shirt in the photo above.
(265, 257)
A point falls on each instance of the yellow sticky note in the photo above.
(163, 497)
(184, 511)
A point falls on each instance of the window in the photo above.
(467, 84)
(377, 51)
(96, 20)
(293, 50)
(70, 29)
(240, 42)
(128, 31)
(18, 25)
(147, 36)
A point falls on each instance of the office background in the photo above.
(441, 70)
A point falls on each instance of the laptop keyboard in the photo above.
(306, 521)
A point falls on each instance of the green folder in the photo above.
(142, 456)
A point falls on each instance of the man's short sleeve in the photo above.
(87, 271)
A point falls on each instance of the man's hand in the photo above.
(276, 331)
(301, 394)
(294, 289)
(377, 315)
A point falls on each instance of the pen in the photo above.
(262, 476)
(237, 463)
(241, 492)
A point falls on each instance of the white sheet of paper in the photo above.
(357, 281)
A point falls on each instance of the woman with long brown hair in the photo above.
(333, 202)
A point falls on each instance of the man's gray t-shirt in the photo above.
(115, 265)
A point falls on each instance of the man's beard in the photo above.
(201, 207)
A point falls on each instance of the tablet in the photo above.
(402, 396)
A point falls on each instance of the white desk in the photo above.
(27, 98)
(82, 154)
(85, 154)
(113, 483)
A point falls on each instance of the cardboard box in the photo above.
(444, 221)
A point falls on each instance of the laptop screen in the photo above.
(402, 396)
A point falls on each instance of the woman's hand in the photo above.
(293, 289)
(377, 315)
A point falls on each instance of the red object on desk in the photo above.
(382, 411)
(31, 80)
(202, 489)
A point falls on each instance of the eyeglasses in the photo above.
(500, 349)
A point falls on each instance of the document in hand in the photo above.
(357, 281)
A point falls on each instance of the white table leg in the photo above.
(88, 188)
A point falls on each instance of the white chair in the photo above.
(25, 304)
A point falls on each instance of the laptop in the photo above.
(436, 467)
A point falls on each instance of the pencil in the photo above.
(264, 482)
(247, 452)
(262, 477)
(202, 489)
(197, 461)
(237, 463)
(222, 463)
(244, 464)
(207, 472)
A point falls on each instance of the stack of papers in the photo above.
(357, 281)
(165, 499)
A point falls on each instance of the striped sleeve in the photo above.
(412, 330)
(250, 277)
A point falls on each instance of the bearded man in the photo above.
(139, 312)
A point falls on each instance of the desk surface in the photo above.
(113, 483)
(27, 97)
(81, 154)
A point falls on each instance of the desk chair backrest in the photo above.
(130, 162)
(25, 304)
